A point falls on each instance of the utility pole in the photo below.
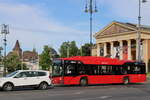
(139, 32)
(1, 58)
(5, 31)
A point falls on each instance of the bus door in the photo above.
(99, 74)
(106, 73)
(57, 72)
(119, 71)
(70, 72)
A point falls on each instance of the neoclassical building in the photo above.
(119, 40)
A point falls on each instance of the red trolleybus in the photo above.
(87, 70)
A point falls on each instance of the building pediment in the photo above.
(115, 28)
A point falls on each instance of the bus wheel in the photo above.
(83, 82)
(126, 81)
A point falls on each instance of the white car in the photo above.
(22, 78)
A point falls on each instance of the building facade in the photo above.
(119, 40)
(30, 58)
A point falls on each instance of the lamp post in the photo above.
(139, 31)
(5, 31)
(91, 8)
(68, 49)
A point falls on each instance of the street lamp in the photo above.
(68, 49)
(5, 31)
(91, 8)
(139, 31)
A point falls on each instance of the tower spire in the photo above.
(17, 46)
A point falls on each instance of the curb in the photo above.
(148, 78)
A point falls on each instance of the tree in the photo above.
(53, 53)
(13, 63)
(68, 49)
(63, 49)
(85, 50)
(73, 51)
(46, 57)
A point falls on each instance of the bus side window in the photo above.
(70, 70)
(123, 70)
(106, 70)
(81, 69)
(137, 70)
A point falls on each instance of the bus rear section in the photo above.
(136, 72)
(78, 72)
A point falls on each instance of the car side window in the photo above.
(41, 74)
(21, 75)
(32, 74)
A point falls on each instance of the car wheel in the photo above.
(126, 81)
(8, 87)
(83, 82)
(43, 86)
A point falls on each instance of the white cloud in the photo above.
(128, 10)
(34, 28)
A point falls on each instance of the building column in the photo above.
(98, 49)
(105, 49)
(129, 50)
(145, 54)
(121, 49)
(136, 49)
(112, 49)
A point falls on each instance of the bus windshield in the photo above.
(57, 68)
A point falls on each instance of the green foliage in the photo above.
(68, 49)
(85, 50)
(73, 49)
(46, 57)
(63, 49)
(14, 63)
(22, 66)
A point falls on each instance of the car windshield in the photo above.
(11, 74)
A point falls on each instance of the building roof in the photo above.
(97, 60)
(120, 27)
(17, 46)
(144, 27)
(30, 55)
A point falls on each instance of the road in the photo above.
(100, 92)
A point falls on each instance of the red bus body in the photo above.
(98, 79)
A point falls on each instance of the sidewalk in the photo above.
(148, 78)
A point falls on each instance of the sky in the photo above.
(36, 23)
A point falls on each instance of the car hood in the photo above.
(4, 78)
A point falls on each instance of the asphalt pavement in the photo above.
(98, 92)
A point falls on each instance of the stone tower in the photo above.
(17, 49)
